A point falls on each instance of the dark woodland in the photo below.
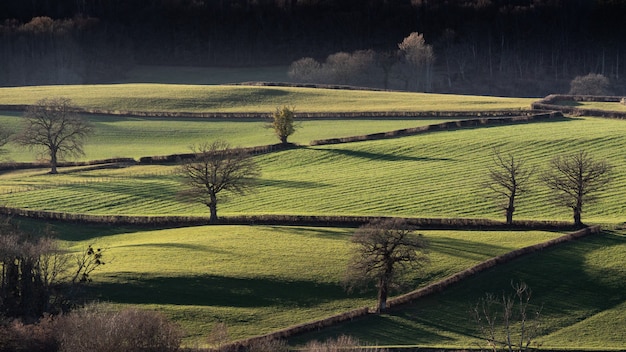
(498, 47)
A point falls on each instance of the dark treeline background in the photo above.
(503, 47)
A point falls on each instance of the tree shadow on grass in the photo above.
(378, 156)
(560, 279)
(219, 291)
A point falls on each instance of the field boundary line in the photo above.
(549, 103)
(419, 293)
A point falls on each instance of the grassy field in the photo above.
(198, 98)
(164, 136)
(594, 105)
(258, 279)
(432, 175)
(255, 279)
(580, 287)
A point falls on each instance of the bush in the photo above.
(591, 84)
(342, 343)
(16, 336)
(104, 330)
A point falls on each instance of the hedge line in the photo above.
(282, 220)
(43, 165)
(549, 103)
(260, 115)
(484, 118)
(417, 294)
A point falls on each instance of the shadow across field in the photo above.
(379, 156)
(218, 291)
(563, 283)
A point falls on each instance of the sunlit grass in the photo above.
(201, 98)
(579, 287)
(431, 175)
(256, 279)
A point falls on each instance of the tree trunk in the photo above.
(577, 217)
(510, 210)
(383, 288)
(53, 163)
(213, 208)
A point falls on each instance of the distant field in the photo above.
(198, 98)
(432, 175)
(136, 137)
(594, 105)
(580, 286)
(255, 279)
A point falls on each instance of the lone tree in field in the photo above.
(283, 123)
(576, 179)
(510, 322)
(217, 168)
(383, 250)
(508, 179)
(53, 126)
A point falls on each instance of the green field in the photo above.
(256, 279)
(197, 98)
(164, 136)
(580, 287)
(431, 175)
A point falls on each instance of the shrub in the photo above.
(591, 84)
(16, 336)
(342, 343)
(104, 330)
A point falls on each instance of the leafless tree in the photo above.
(576, 179)
(383, 250)
(53, 126)
(306, 70)
(508, 322)
(418, 59)
(283, 123)
(217, 168)
(5, 136)
(508, 179)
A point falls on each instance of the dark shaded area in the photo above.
(502, 47)
(209, 290)
(561, 281)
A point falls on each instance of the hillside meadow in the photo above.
(224, 98)
(438, 174)
(578, 287)
(256, 279)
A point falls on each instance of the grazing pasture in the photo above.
(430, 175)
(579, 287)
(256, 279)
(252, 99)
(164, 136)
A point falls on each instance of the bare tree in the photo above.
(508, 322)
(508, 178)
(576, 179)
(283, 123)
(53, 126)
(217, 168)
(383, 250)
(418, 58)
(5, 135)
(305, 70)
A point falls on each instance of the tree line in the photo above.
(514, 47)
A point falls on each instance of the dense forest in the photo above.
(502, 47)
